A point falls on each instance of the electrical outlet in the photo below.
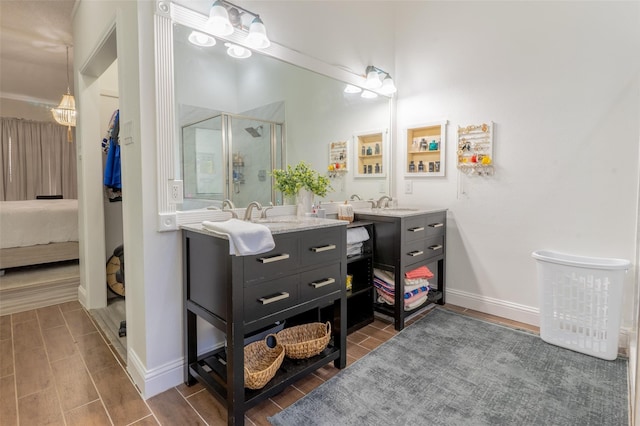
(175, 191)
(408, 186)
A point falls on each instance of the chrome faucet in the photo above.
(373, 204)
(263, 215)
(355, 197)
(247, 212)
(227, 205)
(386, 200)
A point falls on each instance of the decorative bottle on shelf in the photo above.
(364, 150)
(364, 169)
(423, 144)
(421, 166)
(377, 169)
(369, 151)
(377, 148)
(412, 167)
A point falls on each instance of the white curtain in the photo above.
(36, 159)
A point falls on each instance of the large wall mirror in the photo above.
(262, 112)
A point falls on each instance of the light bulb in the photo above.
(218, 22)
(352, 89)
(201, 39)
(236, 51)
(373, 80)
(388, 87)
(258, 34)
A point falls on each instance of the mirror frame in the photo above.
(166, 14)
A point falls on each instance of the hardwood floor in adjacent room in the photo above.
(57, 368)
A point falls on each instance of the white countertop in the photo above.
(398, 211)
(277, 225)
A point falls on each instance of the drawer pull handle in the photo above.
(323, 248)
(435, 247)
(275, 258)
(436, 225)
(319, 284)
(415, 253)
(416, 229)
(267, 300)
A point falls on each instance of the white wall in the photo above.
(564, 98)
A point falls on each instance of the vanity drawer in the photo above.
(322, 245)
(277, 262)
(319, 282)
(414, 228)
(424, 249)
(270, 297)
(414, 252)
(424, 226)
(436, 223)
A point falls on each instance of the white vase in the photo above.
(304, 201)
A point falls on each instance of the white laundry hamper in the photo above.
(580, 301)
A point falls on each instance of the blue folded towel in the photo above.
(245, 238)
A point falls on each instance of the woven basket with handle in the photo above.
(305, 341)
(261, 361)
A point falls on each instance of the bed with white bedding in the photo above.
(38, 231)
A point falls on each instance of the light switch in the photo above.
(408, 186)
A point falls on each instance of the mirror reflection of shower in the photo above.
(252, 148)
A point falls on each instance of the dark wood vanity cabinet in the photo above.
(403, 243)
(242, 295)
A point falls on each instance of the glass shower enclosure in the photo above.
(230, 157)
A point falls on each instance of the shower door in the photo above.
(230, 157)
(255, 150)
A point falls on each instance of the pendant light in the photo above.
(65, 113)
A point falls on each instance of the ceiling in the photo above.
(33, 40)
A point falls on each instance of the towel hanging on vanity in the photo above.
(245, 238)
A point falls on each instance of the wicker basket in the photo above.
(345, 212)
(305, 341)
(261, 361)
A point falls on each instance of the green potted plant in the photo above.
(301, 182)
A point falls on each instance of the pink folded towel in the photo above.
(421, 272)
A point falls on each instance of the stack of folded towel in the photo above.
(355, 238)
(416, 286)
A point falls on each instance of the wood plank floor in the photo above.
(57, 368)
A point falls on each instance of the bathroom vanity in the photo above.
(242, 295)
(405, 239)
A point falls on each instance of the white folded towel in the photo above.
(245, 238)
(357, 235)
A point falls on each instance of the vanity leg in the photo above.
(191, 345)
(340, 327)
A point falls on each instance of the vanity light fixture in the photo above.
(201, 39)
(237, 52)
(373, 80)
(226, 17)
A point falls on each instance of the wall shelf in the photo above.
(425, 150)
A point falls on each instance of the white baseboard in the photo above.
(489, 305)
(157, 380)
(82, 296)
(510, 310)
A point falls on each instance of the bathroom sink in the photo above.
(276, 220)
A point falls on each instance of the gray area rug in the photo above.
(449, 369)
